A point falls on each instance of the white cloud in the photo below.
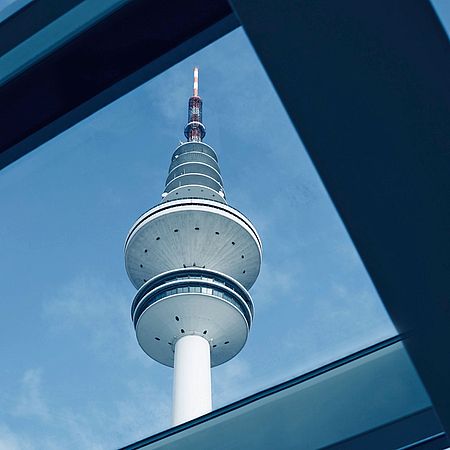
(9, 440)
(275, 284)
(167, 91)
(146, 410)
(231, 381)
(98, 312)
(30, 402)
(140, 411)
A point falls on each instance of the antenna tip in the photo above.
(196, 81)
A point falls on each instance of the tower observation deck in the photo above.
(192, 258)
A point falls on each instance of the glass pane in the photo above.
(75, 376)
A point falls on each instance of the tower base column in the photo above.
(191, 379)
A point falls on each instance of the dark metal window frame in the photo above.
(106, 60)
(367, 91)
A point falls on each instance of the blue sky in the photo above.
(73, 375)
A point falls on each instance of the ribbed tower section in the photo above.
(192, 258)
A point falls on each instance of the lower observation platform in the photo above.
(192, 302)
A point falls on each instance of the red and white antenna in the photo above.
(195, 130)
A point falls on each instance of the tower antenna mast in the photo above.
(195, 131)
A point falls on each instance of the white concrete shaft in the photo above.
(191, 379)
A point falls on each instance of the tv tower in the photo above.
(192, 258)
